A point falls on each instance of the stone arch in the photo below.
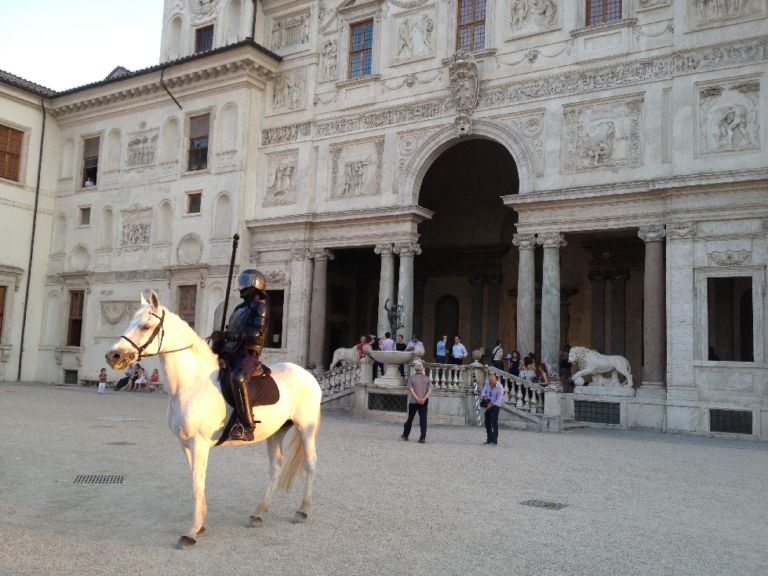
(164, 219)
(175, 26)
(222, 216)
(169, 143)
(106, 229)
(228, 128)
(51, 319)
(67, 158)
(232, 21)
(59, 236)
(113, 150)
(421, 160)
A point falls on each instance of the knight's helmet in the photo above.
(252, 278)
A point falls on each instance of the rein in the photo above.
(158, 330)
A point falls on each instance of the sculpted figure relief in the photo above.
(532, 15)
(600, 369)
(729, 117)
(708, 10)
(330, 51)
(414, 37)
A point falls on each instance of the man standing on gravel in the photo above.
(492, 394)
(419, 391)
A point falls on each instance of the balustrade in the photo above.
(448, 376)
(522, 394)
(340, 379)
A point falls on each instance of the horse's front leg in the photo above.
(308, 434)
(275, 449)
(197, 454)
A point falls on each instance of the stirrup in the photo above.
(239, 432)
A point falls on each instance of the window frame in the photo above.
(86, 170)
(190, 195)
(605, 10)
(5, 152)
(180, 290)
(84, 211)
(192, 149)
(203, 30)
(3, 302)
(471, 25)
(352, 52)
(75, 315)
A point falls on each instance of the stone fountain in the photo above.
(391, 359)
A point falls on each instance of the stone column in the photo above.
(654, 303)
(386, 286)
(492, 314)
(299, 298)
(476, 311)
(598, 310)
(618, 307)
(526, 293)
(407, 251)
(319, 306)
(550, 299)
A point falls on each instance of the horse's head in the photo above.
(143, 337)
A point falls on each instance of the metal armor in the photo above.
(247, 329)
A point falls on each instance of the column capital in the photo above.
(300, 253)
(652, 233)
(551, 239)
(524, 241)
(384, 249)
(407, 249)
(321, 254)
(684, 229)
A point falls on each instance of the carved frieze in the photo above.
(681, 229)
(329, 60)
(117, 311)
(356, 168)
(142, 148)
(729, 116)
(413, 36)
(729, 258)
(203, 10)
(603, 134)
(275, 276)
(708, 13)
(135, 228)
(528, 17)
(290, 32)
(281, 179)
(289, 90)
(648, 4)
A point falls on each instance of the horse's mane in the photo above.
(198, 343)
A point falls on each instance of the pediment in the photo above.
(358, 5)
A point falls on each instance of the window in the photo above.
(2, 309)
(85, 216)
(194, 201)
(361, 49)
(204, 39)
(603, 11)
(10, 153)
(90, 161)
(275, 334)
(198, 142)
(75, 327)
(729, 303)
(470, 32)
(188, 304)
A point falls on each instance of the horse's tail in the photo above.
(290, 470)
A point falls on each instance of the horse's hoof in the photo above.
(185, 542)
(300, 517)
(201, 531)
(255, 521)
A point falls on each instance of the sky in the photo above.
(62, 44)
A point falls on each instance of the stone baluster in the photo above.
(526, 293)
(407, 253)
(550, 299)
(318, 306)
(654, 325)
(386, 286)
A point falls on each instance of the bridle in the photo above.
(158, 330)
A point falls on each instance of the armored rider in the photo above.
(240, 346)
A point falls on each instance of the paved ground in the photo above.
(637, 503)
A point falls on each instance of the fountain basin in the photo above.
(391, 360)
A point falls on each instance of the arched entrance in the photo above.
(466, 252)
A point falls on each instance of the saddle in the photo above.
(262, 388)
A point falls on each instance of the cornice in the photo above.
(342, 218)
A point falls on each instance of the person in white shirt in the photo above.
(497, 356)
(458, 352)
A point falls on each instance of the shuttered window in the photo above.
(10, 153)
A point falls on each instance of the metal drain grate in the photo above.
(99, 479)
(544, 504)
(122, 443)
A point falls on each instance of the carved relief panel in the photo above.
(729, 116)
(329, 60)
(413, 35)
(135, 228)
(290, 33)
(356, 168)
(289, 90)
(142, 148)
(603, 134)
(407, 143)
(648, 4)
(709, 13)
(281, 178)
(528, 17)
(530, 125)
(114, 315)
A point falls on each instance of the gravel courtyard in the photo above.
(635, 503)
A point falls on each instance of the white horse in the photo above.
(197, 411)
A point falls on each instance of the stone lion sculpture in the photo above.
(603, 370)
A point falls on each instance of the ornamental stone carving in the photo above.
(729, 258)
(275, 276)
(203, 9)
(601, 370)
(300, 253)
(135, 228)
(281, 179)
(531, 126)
(705, 13)
(407, 249)
(329, 60)
(681, 230)
(729, 116)
(289, 91)
(356, 169)
(551, 240)
(413, 36)
(142, 149)
(383, 249)
(647, 4)
(652, 233)
(524, 241)
(465, 89)
(190, 250)
(528, 17)
(115, 311)
(603, 135)
(290, 32)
